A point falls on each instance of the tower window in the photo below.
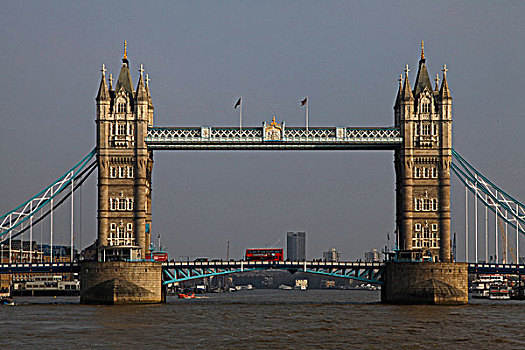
(112, 172)
(130, 172)
(122, 129)
(425, 106)
(121, 204)
(130, 203)
(121, 107)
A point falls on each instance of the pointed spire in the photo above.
(141, 94)
(444, 92)
(400, 90)
(111, 81)
(422, 78)
(124, 78)
(407, 91)
(103, 92)
(437, 82)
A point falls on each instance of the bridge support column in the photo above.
(120, 282)
(425, 283)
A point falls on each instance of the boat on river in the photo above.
(7, 301)
(186, 296)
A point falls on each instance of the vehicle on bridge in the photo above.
(264, 254)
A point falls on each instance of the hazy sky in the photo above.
(201, 56)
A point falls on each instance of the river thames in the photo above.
(263, 319)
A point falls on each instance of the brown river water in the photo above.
(263, 319)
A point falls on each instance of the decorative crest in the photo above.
(274, 131)
(422, 50)
(141, 70)
(103, 70)
(406, 70)
(147, 79)
(111, 79)
(274, 123)
(444, 70)
(437, 81)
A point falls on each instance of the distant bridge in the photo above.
(179, 271)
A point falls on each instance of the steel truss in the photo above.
(11, 222)
(498, 201)
(183, 271)
(253, 138)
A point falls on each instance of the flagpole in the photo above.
(240, 116)
(307, 113)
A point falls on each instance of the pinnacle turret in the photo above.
(141, 93)
(103, 92)
(407, 91)
(399, 96)
(445, 91)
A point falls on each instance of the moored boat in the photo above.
(186, 296)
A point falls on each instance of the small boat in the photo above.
(7, 301)
(285, 287)
(186, 296)
(499, 293)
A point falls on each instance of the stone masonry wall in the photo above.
(425, 283)
(120, 282)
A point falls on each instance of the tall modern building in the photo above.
(296, 246)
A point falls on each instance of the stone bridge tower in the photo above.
(124, 166)
(422, 165)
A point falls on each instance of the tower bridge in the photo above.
(420, 138)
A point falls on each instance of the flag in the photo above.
(237, 104)
(303, 102)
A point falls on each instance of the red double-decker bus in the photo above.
(264, 254)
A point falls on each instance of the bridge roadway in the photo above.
(177, 271)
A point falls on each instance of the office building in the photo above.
(296, 246)
(332, 255)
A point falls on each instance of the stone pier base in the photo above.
(425, 283)
(120, 282)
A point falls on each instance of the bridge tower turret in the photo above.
(124, 167)
(422, 165)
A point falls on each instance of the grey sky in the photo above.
(201, 56)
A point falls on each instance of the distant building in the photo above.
(332, 255)
(372, 256)
(296, 246)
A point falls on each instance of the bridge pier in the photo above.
(425, 283)
(120, 282)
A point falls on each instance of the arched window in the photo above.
(425, 105)
(121, 107)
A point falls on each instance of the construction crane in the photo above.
(274, 243)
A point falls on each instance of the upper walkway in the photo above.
(273, 137)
